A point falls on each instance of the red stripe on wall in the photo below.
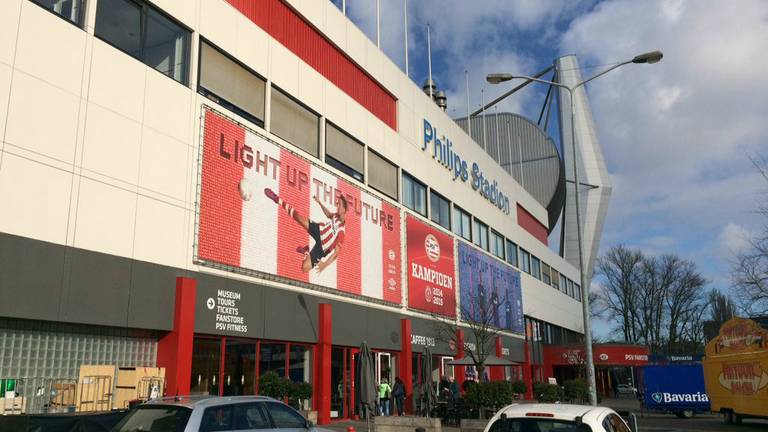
(531, 224)
(294, 190)
(296, 34)
(221, 211)
(390, 256)
(351, 250)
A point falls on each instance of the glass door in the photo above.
(239, 368)
(206, 364)
(343, 361)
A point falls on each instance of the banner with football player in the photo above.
(263, 208)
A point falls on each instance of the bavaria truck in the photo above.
(676, 389)
(736, 371)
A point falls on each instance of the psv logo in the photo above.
(432, 248)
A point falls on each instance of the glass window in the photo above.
(239, 368)
(577, 291)
(293, 122)
(231, 85)
(155, 418)
(272, 358)
(206, 357)
(512, 253)
(414, 194)
(563, 283)
(382, 174)
(555, 279)
(462, 223)
(570, 287)
(535, 267)
(525, 261)
(545, 275)
(70, 10)
(344, 152)
(218, 418)
(439, 210)
(250, 416)
(480, 234)
(497, 244)
(285, 417)
(146, 34)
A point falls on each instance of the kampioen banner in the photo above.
(431, 278)
(262, 208)
(490, 290)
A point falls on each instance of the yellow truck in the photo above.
(736, 371)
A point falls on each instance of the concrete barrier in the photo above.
(473, 425)
(406, 424)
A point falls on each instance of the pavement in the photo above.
(651, 422)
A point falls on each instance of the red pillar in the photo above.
(406, 365)
(527, 377)
(459, 370)
(323, 365)
(174, 351)
(497, 372)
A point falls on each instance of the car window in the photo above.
(285, 417)
(250, 416)
(155, 419)
(537, 425)
(218, 418)
(617, 423)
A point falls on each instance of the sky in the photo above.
(677, 135)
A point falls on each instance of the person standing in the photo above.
(385, 393)
(398, 392)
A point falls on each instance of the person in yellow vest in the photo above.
(385, 393)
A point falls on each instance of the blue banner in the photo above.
(490, 290)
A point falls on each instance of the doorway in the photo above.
(343, 361)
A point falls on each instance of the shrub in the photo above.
(273, 385)
(500, 394)
(548, 392)
(576, 389)
(519, 387)
(299, 392)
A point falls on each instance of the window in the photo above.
(555, 279)
(525, 261)
(344, 152)
(250, 416)
(480, 234)
(382, 174)
(70, 10)
(414, 194)
(497, 244)
(143, 32)
(577, 291)
(155, 418)
(563, 283)
(570, 287)
(231, 85)
(512, 253)
(545, 276)
(439, 210)
(462, 223)
(535, 267)
(293, 122)
(217, 418)
(285, 417)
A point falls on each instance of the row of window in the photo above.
(145, 33)
(473, 230)
(550, 334)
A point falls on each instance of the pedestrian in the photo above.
(385, 393)
(398, 392)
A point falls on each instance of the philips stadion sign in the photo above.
(443, 153)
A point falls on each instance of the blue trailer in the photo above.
(676, 388)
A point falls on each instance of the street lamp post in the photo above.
(650, 58)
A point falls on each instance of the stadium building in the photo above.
(226, 187)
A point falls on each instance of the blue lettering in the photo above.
(428, 134)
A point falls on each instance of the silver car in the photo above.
(213, 414)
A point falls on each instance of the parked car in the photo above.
(556, 417)
(211, 413)
(625, 389)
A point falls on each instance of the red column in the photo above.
(323, 364)
(527, 371)
(406, 364)
(174, 350)
(497, 372)
(459, 370)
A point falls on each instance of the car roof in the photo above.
(558, 411)
(206, 400)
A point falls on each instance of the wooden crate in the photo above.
(14, 405)
(95, 388)
(135, 382)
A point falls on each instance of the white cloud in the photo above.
(734, 239)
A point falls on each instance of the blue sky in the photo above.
(677, 136)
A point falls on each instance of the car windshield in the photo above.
(154, 419)
(537, 425)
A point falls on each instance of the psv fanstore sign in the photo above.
(263, 208)
(431, 277)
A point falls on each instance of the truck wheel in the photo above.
(684, 414)
(737, 419)
(728, 417)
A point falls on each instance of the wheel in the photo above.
(728, 417)
(737, 419)
(687, 414)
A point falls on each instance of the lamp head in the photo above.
(649, 57)
(497, 78)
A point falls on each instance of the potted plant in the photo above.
(519, 388)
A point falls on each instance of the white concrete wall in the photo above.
(100, 151)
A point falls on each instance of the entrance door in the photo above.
(343, 361)
(385, 367)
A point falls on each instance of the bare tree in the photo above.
(750, 274)
(619, 269)
(721, 307)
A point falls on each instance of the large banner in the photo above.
(490, 290)
(263, 208)
(431, 280)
